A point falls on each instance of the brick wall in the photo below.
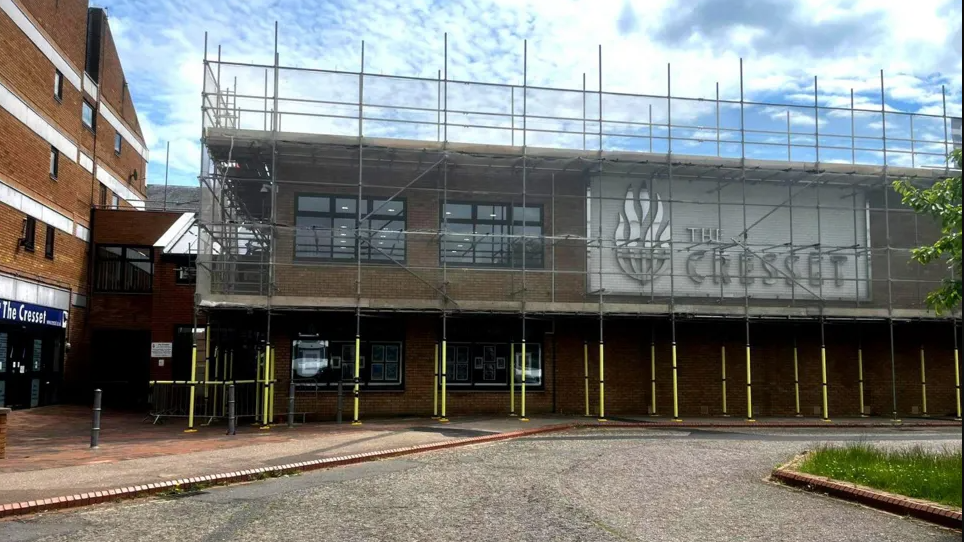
(3, 432)
(627, 369)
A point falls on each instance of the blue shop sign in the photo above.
(28, 313)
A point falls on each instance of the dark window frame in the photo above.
(103, 195)
(58, 85)
(337, 348)
(28, 237)
(54, 162)
(124, 283)
(535, 259)
(476, 377)
(50, 237)
(92, 126)
(118, 143)
(370, 254)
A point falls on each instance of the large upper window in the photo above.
(326, 228)
(124, 269)
(486, 365)
(487, 234)
(322, 363)
(87, 114)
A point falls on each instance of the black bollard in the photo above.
(95, 425)
(291, 403)
(232, 417)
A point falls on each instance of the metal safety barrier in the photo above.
(172, 399)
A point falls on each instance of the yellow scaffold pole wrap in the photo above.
(923, 383)
(796, 379)
(435, 386)
(749, 388)
(957, 375)
(723, 361)
(191, 392)
(265, 422)
(522, 402)
(676, 417)
(207, 358)
(860, 379)
(652, 377)
(585, 372)
(602, 382)
(823, 373)
(357, 381)
(271, 387)
(444, 364)
(511, 380)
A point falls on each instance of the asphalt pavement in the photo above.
(593, 484)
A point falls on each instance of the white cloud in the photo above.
(844, 42)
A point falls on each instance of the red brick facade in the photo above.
(25, 157)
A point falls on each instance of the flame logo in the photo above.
(642, 236)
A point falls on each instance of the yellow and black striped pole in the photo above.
(796, 376)
(923, 383)
(723, 363)
(356, 381)
(749, 377)
(957, 372)
(522, 402)
(676, 417)
(860, 375)
(191, 392)
(271, 375)
(435, 386)
(652, 370)
(602, 381)
(823, 372)
(585, 372)
(265, 421)
(444, 366)
(512, 379)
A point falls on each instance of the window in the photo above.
(326, 228)
(118, 142)
(115, 201)
(103, 196)
(318, 363)
(49, 242)
(29, 234)
(54, 162)
(58, 85)
(87, 115)
(486, 365)
(124, 269)
(185, 274)
(483, 234)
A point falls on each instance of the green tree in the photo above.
(942, 201)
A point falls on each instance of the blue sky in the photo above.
(784, 44)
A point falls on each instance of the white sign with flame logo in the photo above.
(645, 241)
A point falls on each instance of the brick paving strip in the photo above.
(889, 502)
(201, 482)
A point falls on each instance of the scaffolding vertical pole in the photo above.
(445, 226)
(512, 380)
(890, 279)
(923, 383)
(271, 382)
(525, 167)
(356, 376)
(672, 271)
(816, 122)
(853, 131)
(435, 385)
(947, 148)
(717, 119)
(823, 370)
(789, 150)
(512, 113)
(651, 128)
(860, 371)
(796, 375)
(444, 364)
(438, 110)
(585, 372)
(552, 251)
(192, 392)
(583, 110)
(746, 242)
(652, 368)
(957, 371)
(602, 363)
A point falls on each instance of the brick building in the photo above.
(70, 141)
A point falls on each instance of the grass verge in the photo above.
(912, 472)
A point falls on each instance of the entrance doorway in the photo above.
(121, 366)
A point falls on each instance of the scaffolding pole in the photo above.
(957, 371)
(652, 368)
(723, 378)
(923, 383)
(585, 372)
(860, 372)
(525, 67)
(823, 370)
(672, 272)
(796, 376)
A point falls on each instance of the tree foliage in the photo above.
(942, 202)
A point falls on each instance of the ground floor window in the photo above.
(318, 363)
(486, 365)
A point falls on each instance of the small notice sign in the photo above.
(161, 350)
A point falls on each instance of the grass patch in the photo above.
(912, 472)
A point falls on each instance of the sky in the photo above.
(783, 44)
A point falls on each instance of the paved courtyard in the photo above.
(579, 485)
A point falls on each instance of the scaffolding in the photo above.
(782, 211)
